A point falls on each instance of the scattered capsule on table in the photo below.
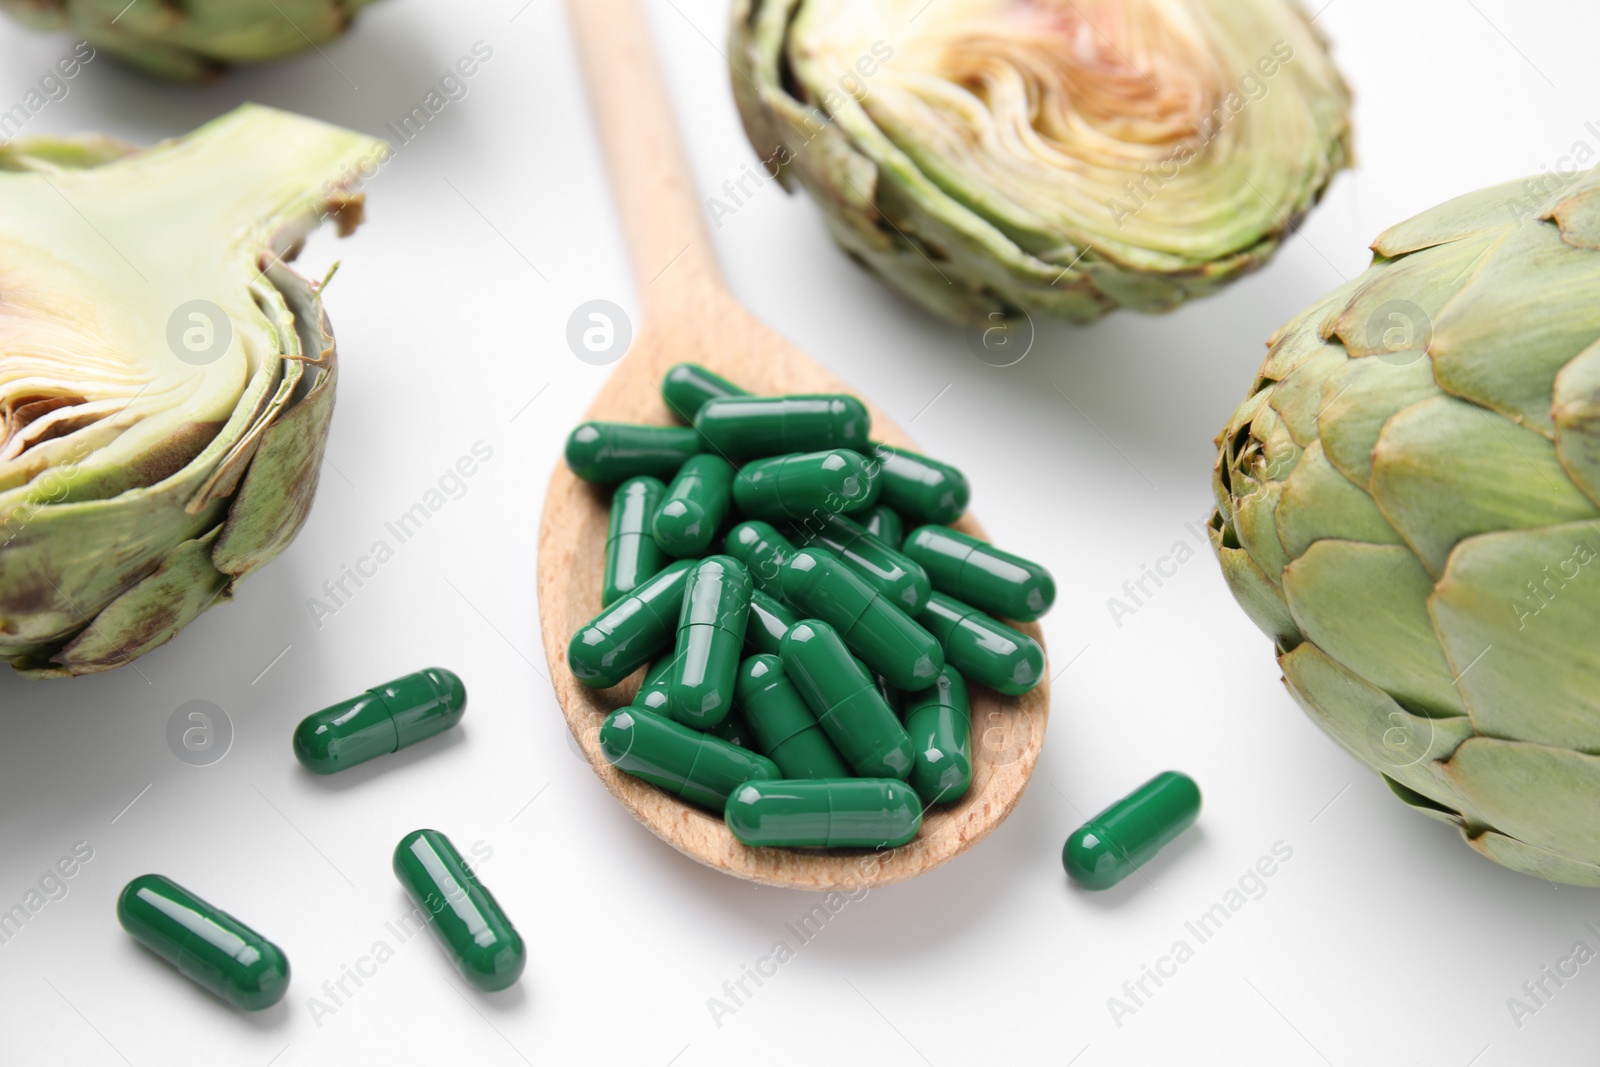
(831, 813)
(762, 549)
(886, 638)
(794, 487)
(883, 522)
(885, 568)
(208, 946)
(687, 386)
(711, 627)
(695, 505)
(770, 619)
(626, 635)
(384, 719)
(609, 452)
(851, 710)
(632, 554)
(785, 729)
(1124, 837)
(469, 923)
(939, 720)
(750, 427)
(919, 488)
(685, 762)
(982, 648)
(979, 574)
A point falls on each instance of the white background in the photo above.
(1383, 940)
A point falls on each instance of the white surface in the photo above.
(1383, 940)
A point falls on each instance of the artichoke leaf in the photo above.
(1547, 797)
(1318, 502)
(1576, 411)
(1359, 398)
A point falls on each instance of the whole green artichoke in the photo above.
(194, 39)
(1065, 156)
(1408, 504)
(166, 383)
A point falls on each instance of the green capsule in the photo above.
(469, 923)
(611, 452)
(795, 487)
(836, 813)
(886, 638)
(384, 719)
(784, 728)
(886, 569)
(695, 506)
(770, 619)
(919, 488)
(762, 549)
(979, 574)
(939, 721)
(711, 628)
(687, 386)
(852, 712)
(983, 649)
(749, 427)
(892, 695)
(624, 636)
(883, 522)
(632, 555)
(685, 762)
(652, 694)
(735, 731)
(209, 947)
(1124, 837)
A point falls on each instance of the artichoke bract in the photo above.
(993, 156)
(1409, 504)
(166, 383)
(195, 39)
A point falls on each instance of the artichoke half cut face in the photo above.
(1066, 156)
(166, 382)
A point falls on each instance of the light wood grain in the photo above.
(688, 314)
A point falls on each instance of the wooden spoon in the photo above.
(688, 314)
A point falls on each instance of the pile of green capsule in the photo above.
(808, 658)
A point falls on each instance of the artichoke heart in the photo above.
(1063, 156)
(166, 382)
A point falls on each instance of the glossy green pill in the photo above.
(979, 574)
(919, 488)
(624, 636)
(695, 505)
(785, 729)
(735, 731)
(794, 487)
(749, 427)
(982, 648)
(711, 628)
(883, 522)
(886, 638)
(939, 721)
(632, 554)
(885, 568)
(469, 923)
(610, 452)
(847, 704)
(687, 386)
(685, 762)
(652, 694)
(1124, 837)
(770, 619)
(762, 549)
(209, 947)
(384, 719)
(837, 813)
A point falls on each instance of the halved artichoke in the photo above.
(1064, 156)
(166, 383)
(193, 39)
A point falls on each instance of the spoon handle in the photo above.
(673, 258)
